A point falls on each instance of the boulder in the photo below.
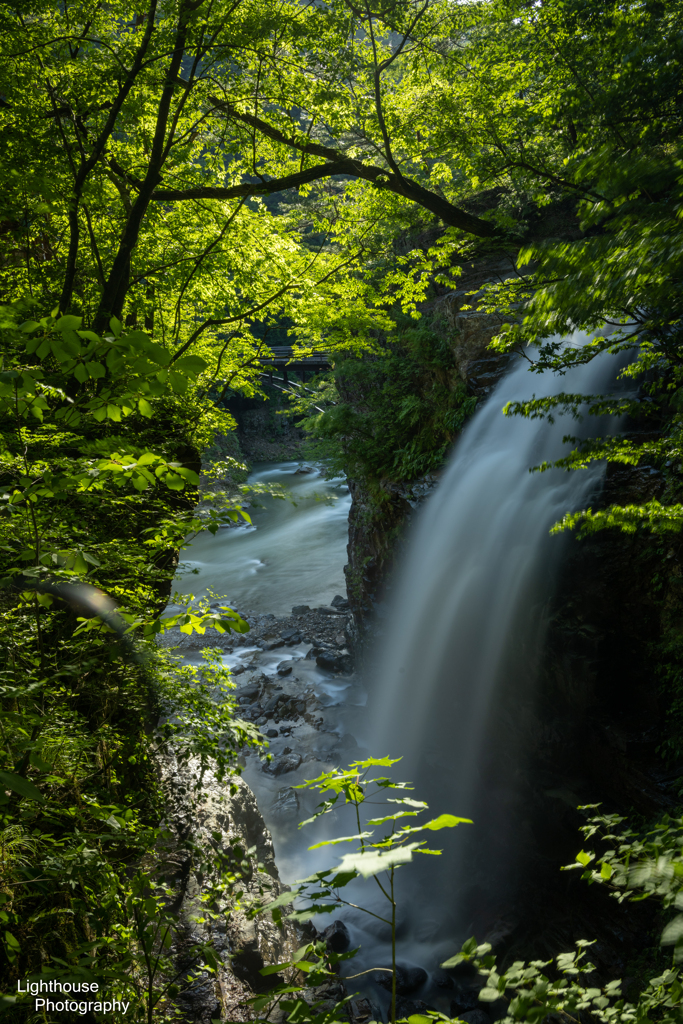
(409, 978)
(286, 804)
(475, 1017)
(337, 937)
(282, 765)
(300, 609)
(284, 668)
(287, 634)
(340, 603)
(332, 661)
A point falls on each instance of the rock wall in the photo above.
(380, 517)
(221, 818)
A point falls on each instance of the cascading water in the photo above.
(453, 684)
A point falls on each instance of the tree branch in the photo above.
(406, 187)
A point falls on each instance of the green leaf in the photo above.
(446, 821)
(18, 784)
(69, 323)
(374, 862)
(144, 408)
(192, 364)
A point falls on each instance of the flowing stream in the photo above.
(293, 553)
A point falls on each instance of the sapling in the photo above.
(376, 856)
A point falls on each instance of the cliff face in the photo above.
(381, 511)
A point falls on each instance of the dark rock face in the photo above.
(334, 662)
(337, 937)
(282, 765)
(286, 804)
(409, 978)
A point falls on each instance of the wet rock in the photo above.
(282, 765)
(362, 1010)
(337, 937)
(287, 634)
(286, 804)
(300, 609)
(271, 734)
(272, 645)
(284, 668)
(279, 698)
(296, 639)
(238, 670)
(475, 1017)
(409, 978)
(251, 690)
(340, 603)
(407, 1007)
(334, 662)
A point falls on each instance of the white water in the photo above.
(456, 671)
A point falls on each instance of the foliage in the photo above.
(373, 857)
(392, 416)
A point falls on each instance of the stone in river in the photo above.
(334, 662)
(248, 691)
(408, 978)
(340, 603)
(300, 609)
(286, 804)
(337, 937)
(282, 765)
(284, 668)
(287, 634)
(278, 698)
(475, 1017)
(273, 644)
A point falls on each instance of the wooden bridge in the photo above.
(282, 360)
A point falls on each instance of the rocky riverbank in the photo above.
(275, 667)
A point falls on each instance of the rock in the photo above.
(238, 670)
(407, 1007)
(286, 804)
(274, 701)
(296, 639)
(300, 609)
(334, 662)
(337, 937)
(409, 978)
(284, 668)
(475, 1017)
(251, 690)
(287, 634)
(272, 645)
(282, 765)
(271, 734)
(340, 603)
(323, 610)
(287, 750)
(361, 1010)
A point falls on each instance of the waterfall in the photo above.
(452, 689)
